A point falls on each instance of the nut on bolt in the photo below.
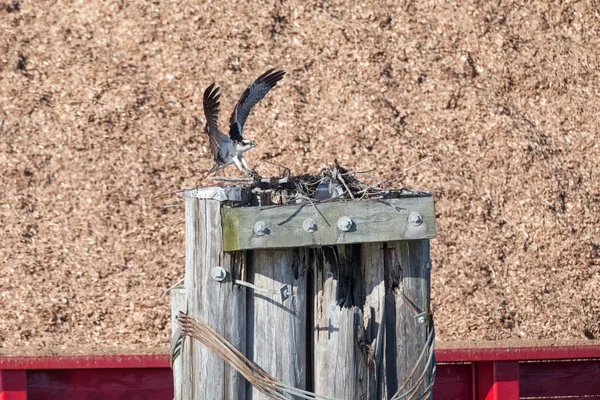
(218, 274)
(260, 228)
(421, 318)
(415, 218)
(345, 223)
(309, 225)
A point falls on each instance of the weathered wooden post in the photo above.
(177, 305)
(332, 298)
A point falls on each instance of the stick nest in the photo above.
(331, 183)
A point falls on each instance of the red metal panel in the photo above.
(516, 353)
(562, 398)
(13, 385)
(498, 380)
(148, 376)
(101, 384)
(560, 378)
(85, 362)
(452, 382)
(453, 355)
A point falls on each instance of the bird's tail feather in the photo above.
(216, 168)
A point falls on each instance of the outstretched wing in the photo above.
(252, 95)
(211, 112)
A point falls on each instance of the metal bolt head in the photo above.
(285, 293)
(415, 218)
(428, 265)
(260, 228)
(421, 318)
(218, 274)
(345, 223)
(309, 225)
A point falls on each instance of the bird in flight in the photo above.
(228, 150)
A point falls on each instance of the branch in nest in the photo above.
(227, 179)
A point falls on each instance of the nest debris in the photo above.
(331, 183)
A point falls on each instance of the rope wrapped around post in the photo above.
(410, 393)
(253, 373)
(269, 385)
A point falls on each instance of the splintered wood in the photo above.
(222, 306)
(334, 319)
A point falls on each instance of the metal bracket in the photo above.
(285, 293)
(421, 318)
(219, 274)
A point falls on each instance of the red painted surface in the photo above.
(560, 378)
(517, 353)
(463, 354)
(557, 372)
(453, 381)
(100, 384)
(13, 385)
(85, 362)
(497, 380)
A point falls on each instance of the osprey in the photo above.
(228, 150)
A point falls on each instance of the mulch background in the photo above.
(100, 113)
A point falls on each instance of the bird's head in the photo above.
(245, 145)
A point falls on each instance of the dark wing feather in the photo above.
(252, 95)
(211, 112)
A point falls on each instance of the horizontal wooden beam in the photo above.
(341, 222)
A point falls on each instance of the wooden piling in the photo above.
(277, 320)
(177, 305)
(332, 298)
(220, 305)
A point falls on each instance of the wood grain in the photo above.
(219, 304)
(405, 336)
(177, 304)
(374, 221)
(340, 354)
(363, 297)
(277, 327)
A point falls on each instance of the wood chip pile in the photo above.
(494, 107)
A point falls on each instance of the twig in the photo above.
(289, 171)
(409, 168)
(414, 165)
(180, 222)
(358, 172)
(339, 176)
(166, 193)
(278, 181)
(312, 204)
(315, 206)
(366, 190)
(227, 179)
(169, 289)
(172, 205)
(379, 182)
